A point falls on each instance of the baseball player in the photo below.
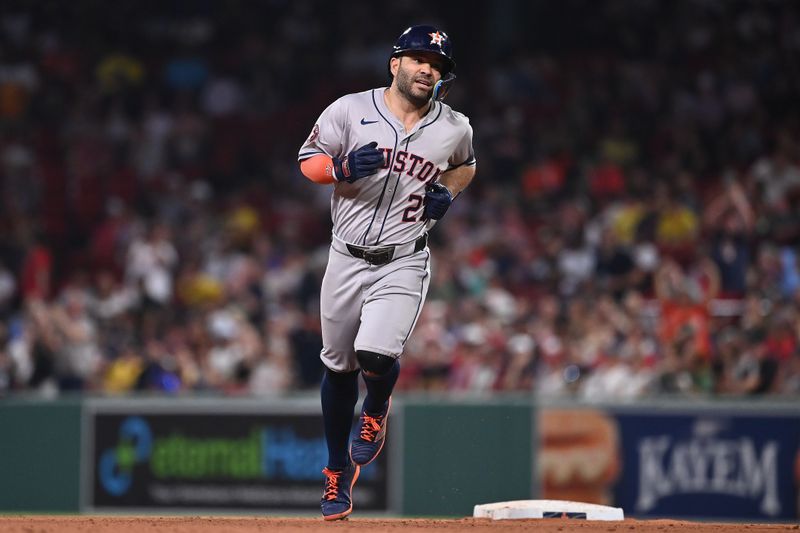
(397, 157)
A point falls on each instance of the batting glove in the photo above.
(437, 200)
(358, 164)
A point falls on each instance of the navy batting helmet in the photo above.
(426, 38)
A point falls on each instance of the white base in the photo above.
(520, 509)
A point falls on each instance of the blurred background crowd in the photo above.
(633, 229)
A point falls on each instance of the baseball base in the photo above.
(527, 509)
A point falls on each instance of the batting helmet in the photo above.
(426, 38)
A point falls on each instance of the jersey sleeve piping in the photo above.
(305, 155)
(471, 161)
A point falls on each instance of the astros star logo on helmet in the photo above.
(437, 38)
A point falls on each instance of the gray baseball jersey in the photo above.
(375, 307)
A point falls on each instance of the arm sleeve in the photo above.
(318, 168)
(464, 154)
(327, 134)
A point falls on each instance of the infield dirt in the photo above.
(209, 524)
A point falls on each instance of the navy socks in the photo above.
(379, 388)
(339, 394)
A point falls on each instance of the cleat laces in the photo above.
(371, 427)
(332, 484)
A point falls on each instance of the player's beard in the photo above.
(405, 84)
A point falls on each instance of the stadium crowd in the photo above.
(633, 229)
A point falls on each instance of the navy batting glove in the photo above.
(437, 200)
(358, 164)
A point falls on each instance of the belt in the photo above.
(380, 255)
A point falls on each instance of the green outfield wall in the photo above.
(460, 453)
(681, 458)
(40, 450)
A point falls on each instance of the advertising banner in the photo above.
(190, 460)
(709, 465)
(693, 463)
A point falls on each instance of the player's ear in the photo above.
(394, 65)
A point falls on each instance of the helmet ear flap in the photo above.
(442, 87)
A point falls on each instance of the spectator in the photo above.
(730, 219)
(77, 351)
(150, 263)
